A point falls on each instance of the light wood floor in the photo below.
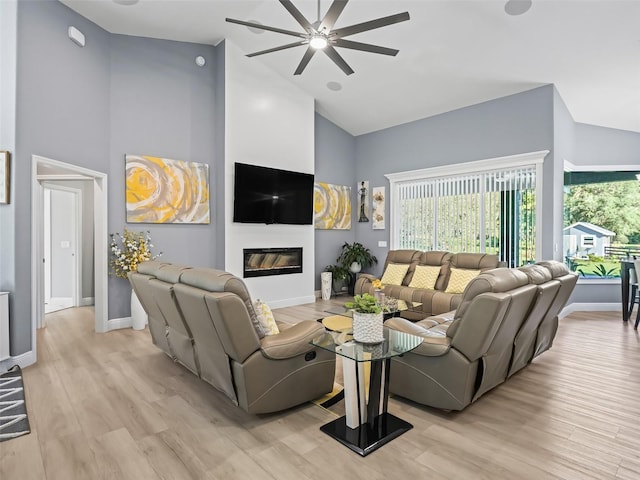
(112, 406)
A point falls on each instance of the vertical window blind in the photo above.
(492, 212)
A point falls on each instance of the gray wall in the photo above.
(605, 146)
(62, 112)
(161, 104)
(335, 163)
(515, 124)
(89, 107)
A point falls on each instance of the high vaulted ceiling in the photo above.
(453, 53)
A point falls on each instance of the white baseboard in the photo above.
(24, 360)
(290, 302)
(117, 323)
(590, 307)
(66, 302)
(87, 301)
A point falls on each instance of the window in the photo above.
(487, 206)
(588, 241)
(601, 220)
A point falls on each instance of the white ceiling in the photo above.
(453, 53)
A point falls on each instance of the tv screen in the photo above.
(269, 195)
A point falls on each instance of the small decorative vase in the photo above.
(138, 315)
(325, 279)
(355, 267)
(367, 327)
(379, 296)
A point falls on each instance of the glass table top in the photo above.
(341, 343)
(393, 307)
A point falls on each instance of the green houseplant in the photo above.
(356, 253)
(367, 319)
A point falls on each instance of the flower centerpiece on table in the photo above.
(128, 250)
(377, 284)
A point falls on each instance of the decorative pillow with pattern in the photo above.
(459, 279)
(266, 319)
(425, 276)
(394, 274)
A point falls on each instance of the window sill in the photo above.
(598, 281)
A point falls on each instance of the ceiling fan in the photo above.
(320, 35)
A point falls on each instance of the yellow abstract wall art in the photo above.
(161, 190)
(332, 206)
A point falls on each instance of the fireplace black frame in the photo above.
(291, 253)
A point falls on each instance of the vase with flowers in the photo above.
(128, 250)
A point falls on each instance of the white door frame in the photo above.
(69, 172)
(77, 237)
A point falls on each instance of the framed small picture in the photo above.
(5, 177)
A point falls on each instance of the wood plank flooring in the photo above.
(113, 406)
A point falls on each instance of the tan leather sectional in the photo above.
(434, 301)
(202, 319)
(504, 319)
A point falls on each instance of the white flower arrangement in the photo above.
(128, 250)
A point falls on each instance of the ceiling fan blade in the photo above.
(265, 27)
(365, 47)
(275, 49)
(337, 59)
(332, 15)
(295, 13)
(305, 60)
(370, 25)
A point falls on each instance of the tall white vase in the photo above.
(325, 279)
(138, 315)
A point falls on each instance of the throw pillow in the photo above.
(266, 319)
(394, 274)
(425, 276)
(459, 279)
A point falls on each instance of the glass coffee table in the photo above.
(367, 425)
(393, 306)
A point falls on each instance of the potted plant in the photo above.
(355, 256)
(367, 319)
(339, 276)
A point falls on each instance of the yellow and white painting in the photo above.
(161, 190)
(332, 206)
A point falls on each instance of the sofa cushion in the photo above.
(219, 281)
(459, 279)
(264, 315)
(425, 276)
(394, 274)
(536, 273)
(497, 280)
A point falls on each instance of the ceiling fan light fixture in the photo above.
(318, 41)
(517, 7)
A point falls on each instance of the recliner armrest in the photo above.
(434, 343)
(292, 341)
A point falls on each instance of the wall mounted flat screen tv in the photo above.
(269, 195)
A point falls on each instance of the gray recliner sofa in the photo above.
(202, 318)
(505, 318)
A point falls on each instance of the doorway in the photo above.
(46, 170)
(63, 215)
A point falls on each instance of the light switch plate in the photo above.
(65, 244)
(382, 243)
